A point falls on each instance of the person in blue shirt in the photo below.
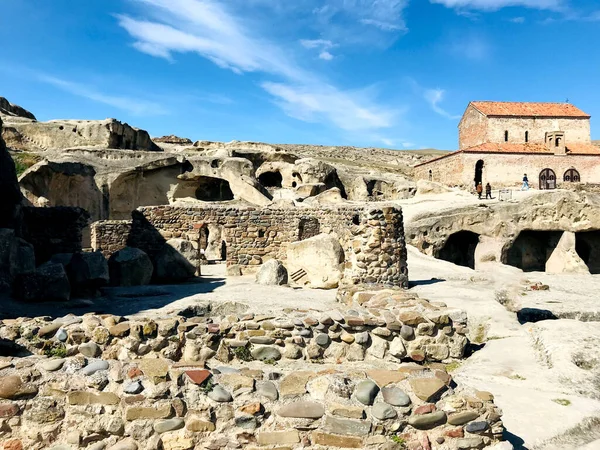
(525, 186)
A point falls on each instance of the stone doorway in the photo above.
(547, 179)
(478, 172)
(571, 176)
(460, 248)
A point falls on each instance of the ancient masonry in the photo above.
(191, 381)
(372, 237)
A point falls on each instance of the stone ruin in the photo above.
(371, 373)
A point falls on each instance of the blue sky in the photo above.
(386, 73)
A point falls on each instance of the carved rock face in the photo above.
(10, 200)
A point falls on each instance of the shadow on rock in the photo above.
(412, 284)
(533, 315)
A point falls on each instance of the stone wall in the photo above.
(54, 230)
(476, 128)
(191, 381)
(472, 129)
(372, 237)
(506, 170)
(577, 130)
(109, 236)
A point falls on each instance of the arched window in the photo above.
(557, 142)
(527, 136)
(506, 136)
(430, 175)
(571, 176)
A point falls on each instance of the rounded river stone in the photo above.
(266, 353)
(382, 411)
(94, 367)
(219, 394)
(162, 426)
(395, 396)
(366, 391)
(477, 427)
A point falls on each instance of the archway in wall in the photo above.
(460, 248)
(478, 172)
(571, 176)
(547, 179)
(531, 250)
(211, 189)
(587, 245)
(271, 179)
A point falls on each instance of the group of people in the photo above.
(488, 188)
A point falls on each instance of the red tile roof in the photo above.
(529, 109)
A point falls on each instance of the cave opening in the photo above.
(271, 179)
(531, 250)
(213, 190)
(460, 248)
(587, 245)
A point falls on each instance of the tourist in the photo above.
(488, 191)
(525, 186)
(479, 190)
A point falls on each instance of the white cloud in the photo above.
(434, 97)
(326, 55)
(469, 46)
(408, 144)
(134, 106)
(365, 22)
(494, 5)
(384, 25)
(207, 28)
(322, 45)
(317, 43)
(324, 102)
(518, 20)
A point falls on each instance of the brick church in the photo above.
(499, 142)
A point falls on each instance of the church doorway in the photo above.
(572, 176)
(547, 179)
(478, 172)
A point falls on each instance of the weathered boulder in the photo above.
(333, 195)
(321, 257)
(310, 189)
(186, 249)
(87, 272)
(172, 266)
(564, 258)
(130, 267)
(48, 283)
(272, 272)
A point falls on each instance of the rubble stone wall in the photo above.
(372, 237)
(110, 236)
(192, 381)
